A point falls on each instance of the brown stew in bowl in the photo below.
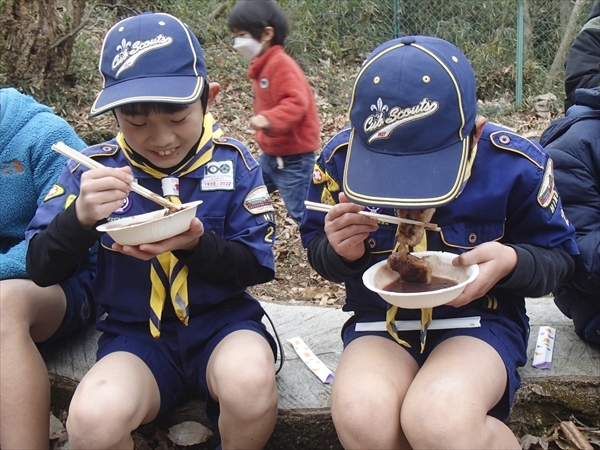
(405, 287)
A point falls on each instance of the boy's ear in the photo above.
(480, 121)
(213, 91)
(268, 34)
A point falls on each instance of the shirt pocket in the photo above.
(383, 240)
(468, 235)
(214, 225)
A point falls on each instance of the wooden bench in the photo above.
(571, 386)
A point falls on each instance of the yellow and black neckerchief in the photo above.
(426, 313)
(167, 274)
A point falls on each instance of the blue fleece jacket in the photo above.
(28, 169)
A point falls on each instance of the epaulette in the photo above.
(101, 150)
(242, 150)
(229, 141)
(511, 141)
(337, 142)
(95, 151)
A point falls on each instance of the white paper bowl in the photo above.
(150, 227)
(379, 275)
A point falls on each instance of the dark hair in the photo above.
(254, 16)
(144, 109)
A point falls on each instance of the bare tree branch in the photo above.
(86, 19)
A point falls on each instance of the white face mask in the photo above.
(249, 48)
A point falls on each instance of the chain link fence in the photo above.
(490, 35)
(517, 47)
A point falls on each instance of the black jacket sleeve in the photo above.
(60, 251)
(539, 270)
(225, 261)
(327, 263)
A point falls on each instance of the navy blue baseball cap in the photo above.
(412, 110)
(151, 57)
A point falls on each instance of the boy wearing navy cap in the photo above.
(178, 321)
(415, 143)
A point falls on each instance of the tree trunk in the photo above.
(36, 41)
(571, 29)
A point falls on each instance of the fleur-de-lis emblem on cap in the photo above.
(380, 109)
(123, 46)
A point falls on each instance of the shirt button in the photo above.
(372, 242)
(472, 238)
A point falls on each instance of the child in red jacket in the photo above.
(285, 120)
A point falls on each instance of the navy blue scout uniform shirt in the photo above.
(236, 207)
(509, 198)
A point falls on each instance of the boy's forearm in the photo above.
(323, 258)
(54, 254)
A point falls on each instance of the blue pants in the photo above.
(291, 180)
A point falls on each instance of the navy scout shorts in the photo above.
(81, 310)
(179, 358)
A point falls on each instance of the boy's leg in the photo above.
(118, 394)
(447, 404)
(370, 382)
(592, 330)
(268, 165)
(292, 180)
(241, 377)
(28, 314)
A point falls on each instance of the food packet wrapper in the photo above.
(311, 360)
(542, 355)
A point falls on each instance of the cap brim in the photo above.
(182, 90)
(426, 180)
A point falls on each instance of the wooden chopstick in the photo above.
(383, 217)
(88, 162)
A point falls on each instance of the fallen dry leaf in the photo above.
(57, 429)
(529, 442)
(572, 435)
(189, 433)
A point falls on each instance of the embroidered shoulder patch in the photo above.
(258, 201)
(55, 191)
(218, 176)
(318, 175)
(546, 191)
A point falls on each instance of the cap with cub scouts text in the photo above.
(413, 107)
(151, 57)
